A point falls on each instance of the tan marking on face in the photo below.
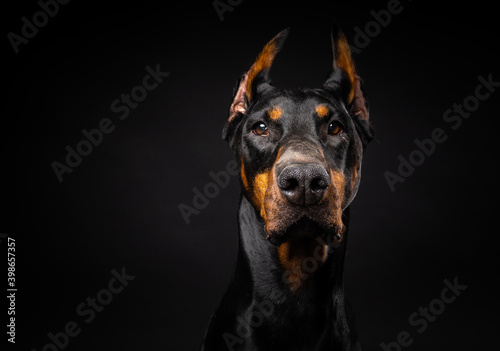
(264, 193)
(273, 201)
(275, 112)
(339, 182)
(334, 200)
(300, 258)
(260, 185)
(322, 110)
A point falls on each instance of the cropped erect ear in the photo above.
(345, 82)
(254, 81)
(344, 79)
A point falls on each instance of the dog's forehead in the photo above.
(299, 104)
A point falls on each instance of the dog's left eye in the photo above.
(335, 128)
(260, 129)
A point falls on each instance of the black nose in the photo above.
(303, 184)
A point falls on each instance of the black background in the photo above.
(119, 207)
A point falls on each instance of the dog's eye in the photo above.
(335, 128)
(260, 129)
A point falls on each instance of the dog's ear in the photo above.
(345, 82)
(253, 82)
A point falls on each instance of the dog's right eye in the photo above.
(260, 129)
(335, 128)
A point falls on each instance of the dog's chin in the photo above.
(305, 227)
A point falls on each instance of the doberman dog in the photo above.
(299, 153)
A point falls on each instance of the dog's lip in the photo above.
(304, 224)
(303, 227)
(308, 222)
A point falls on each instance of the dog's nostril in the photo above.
(319, 184)
(290, 179)
(288, 183)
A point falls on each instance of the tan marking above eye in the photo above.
(322, 110)
(275, 112)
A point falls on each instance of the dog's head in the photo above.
(300, 150)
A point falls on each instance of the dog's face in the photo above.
(299, 151)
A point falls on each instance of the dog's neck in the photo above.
(313, 274)
(264, 309)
